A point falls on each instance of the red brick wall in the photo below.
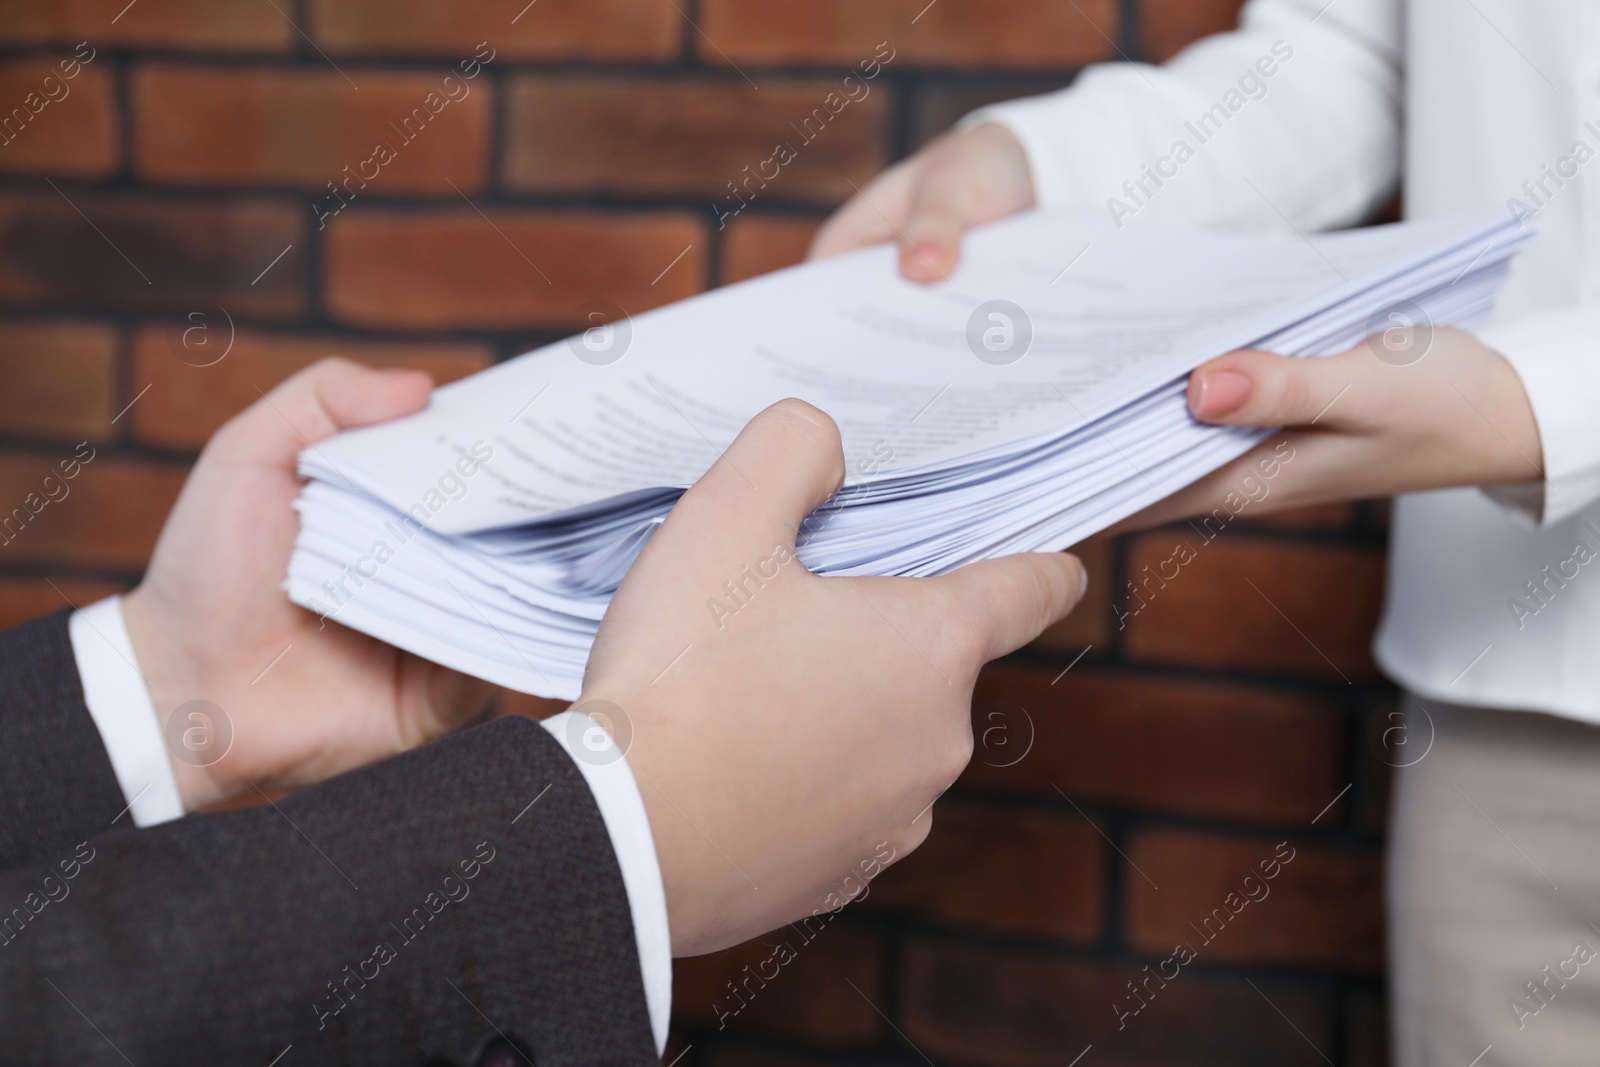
(181, 184)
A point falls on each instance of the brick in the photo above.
(758, 244)
(1015, 1009)
(1324, 908)
(58, 379)
(792, 139)
(108, 515)
(510, 269)
(181, 257)
(1312, 608)
(53, 124)
(807, 997)
(955, 33)
(1089, 624)
(511, 702)
(551, 29)
(306, 128)
(1318, 517)
(188, 402)
(22, 599)
(941, 106)
(1003, 871)
(1201, 748)
(1166, 26)
(207, 24)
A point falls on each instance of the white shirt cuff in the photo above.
(616, 792)
(119, 703)
(1554, 353)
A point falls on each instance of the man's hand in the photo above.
(926, 202)
(210, 621)
(1403, 412)
(791, 732)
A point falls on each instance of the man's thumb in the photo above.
(331, 395)
(1012, 599)
(786, 462)
(354, 396)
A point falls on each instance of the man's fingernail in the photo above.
(1221, 392)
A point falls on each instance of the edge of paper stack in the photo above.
(519, 604)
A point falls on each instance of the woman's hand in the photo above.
(925, 203)
(1403, 412)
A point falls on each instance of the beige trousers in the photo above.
(1494, 890)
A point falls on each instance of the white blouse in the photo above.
(1307, 116)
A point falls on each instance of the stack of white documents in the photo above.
(1034, 398)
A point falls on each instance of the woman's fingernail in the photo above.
(1221, 392)
(929, 254)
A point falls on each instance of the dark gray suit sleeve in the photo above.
(56, 782)
(406, 913)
